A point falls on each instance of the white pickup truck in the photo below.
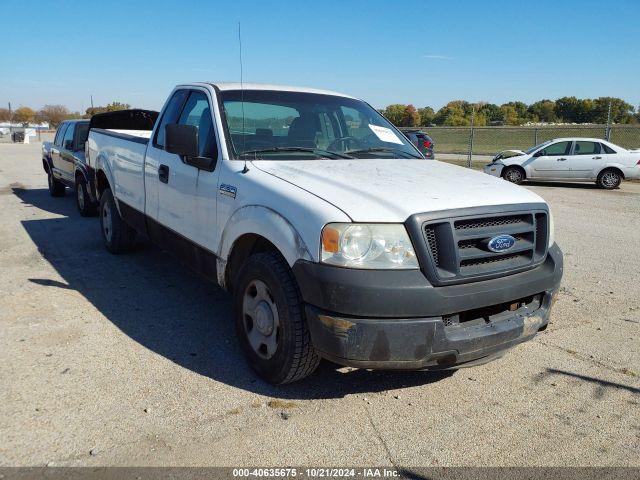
(336, 237)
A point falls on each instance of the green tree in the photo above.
(510, 115)
(575, 110)
(426, 116)
(455, 113)
(520, 116)
(491, 112)
(24, 115)
(543, 111)
(410, 117)
(111, 107)
(394, 113)
(621, 111)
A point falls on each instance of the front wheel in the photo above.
(270, 320)
(513, 175)
(609, 179)
(117, 235)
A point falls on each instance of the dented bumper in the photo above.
(461, 325)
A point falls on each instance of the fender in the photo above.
(46, 163)
(266, 222)
(618, 166)
(89, 177)
(103, 166)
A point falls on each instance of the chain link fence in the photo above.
(491, 140)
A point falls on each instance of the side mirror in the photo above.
(183, 140)
(539, 153)
(68, 144)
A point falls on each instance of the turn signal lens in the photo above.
(330, 238)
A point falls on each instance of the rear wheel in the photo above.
(513, 175)
(270, 320)
(609, 179)
(118, 236)
(56, 188)
(86, 206)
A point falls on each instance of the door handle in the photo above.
(562, 159)
(163, 173)
(597, 158)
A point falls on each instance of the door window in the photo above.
(60, 134)
(170, 115)
(556, 149)
(197, 112)
(586, 148)
(67, 141)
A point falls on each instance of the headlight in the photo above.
(354, 245)
(552, 238)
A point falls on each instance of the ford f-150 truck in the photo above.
(64, 162)
(336, 237)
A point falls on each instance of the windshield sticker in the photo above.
(385, 134)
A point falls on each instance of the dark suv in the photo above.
(422, 141)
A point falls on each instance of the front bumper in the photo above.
(397, 320)
(494, 169)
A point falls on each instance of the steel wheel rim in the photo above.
(107, 223)
(610, 179)
(260, 319)
(80, 196)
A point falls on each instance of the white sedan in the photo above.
(568, 159)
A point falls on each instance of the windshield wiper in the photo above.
(316, 151)
(382, 149)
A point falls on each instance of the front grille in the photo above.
(490, 222)
(430, 233)
(458, 246)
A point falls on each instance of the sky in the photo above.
(419, 52)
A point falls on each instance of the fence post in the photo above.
(607, 128)
(535, 136)
(473, 114)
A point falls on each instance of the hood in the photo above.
(392, 190)
(508, 154)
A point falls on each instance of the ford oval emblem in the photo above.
(501, 243)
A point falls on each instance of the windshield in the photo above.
(288, 125)
(533, 149)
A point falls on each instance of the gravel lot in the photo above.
(132, 360)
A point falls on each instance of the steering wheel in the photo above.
(344, 142)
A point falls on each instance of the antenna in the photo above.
(244, 134)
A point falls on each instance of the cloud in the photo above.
(437, 57)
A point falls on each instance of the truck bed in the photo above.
(122, 155)
(117, 143)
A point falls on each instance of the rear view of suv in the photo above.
(422, 141)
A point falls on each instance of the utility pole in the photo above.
(607, 129)
(473, 114)
(10, 118)
(92, 102)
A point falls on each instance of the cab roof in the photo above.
(224, 86)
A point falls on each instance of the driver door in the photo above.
(552, 161)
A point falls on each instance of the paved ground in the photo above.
(131, 360)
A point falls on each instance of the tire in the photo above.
(513, 175)
(270, 320)
(56, 188)
(117, 235)
(609, 179)
(86, 206)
